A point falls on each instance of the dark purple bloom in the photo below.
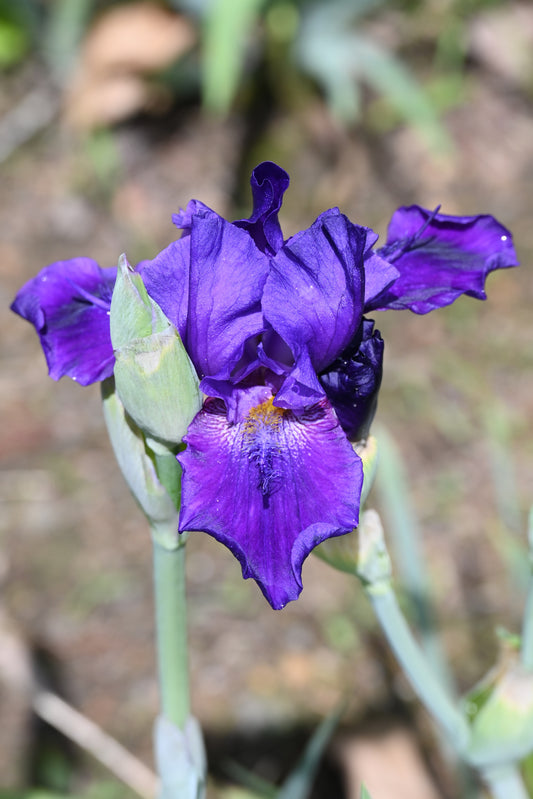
(68, 303)
(269, 183)
(270, 484)
(352, 382)
(440, 257)
(291, 368)
(268, 470)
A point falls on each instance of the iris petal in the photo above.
(269, 183)
(379, 275)
(166, 279)
(209, 285)
(313, 299)
(226, 281)
(183, 219)
(352, 382)
(68, 303)
(270, 485)
(440, 257)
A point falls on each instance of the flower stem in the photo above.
(374, 569)
(415, 665)
(505, 782)
(171, 631)
(406, 540)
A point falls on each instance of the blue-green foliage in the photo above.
(299, 783)
(316, 44)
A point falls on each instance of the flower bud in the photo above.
(137, 466)
(154, 376)
(500, 710)
(374, 567)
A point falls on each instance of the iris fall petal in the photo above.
(68, 303)
(440, 257)
(270, 486)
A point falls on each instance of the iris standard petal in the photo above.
(68, 303)
(166, 279)
(352, 382)
(314, 298)
(269, 183)
(183, 219)
(226, 279)
(270, 485)
(379, 275)
(440, 257)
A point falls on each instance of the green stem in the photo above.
(505, 783)
(171, 631)
(406, 540)
(415, 664)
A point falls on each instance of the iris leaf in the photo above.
(66, 25)
(257, 786)
(299, 783)
(228, 24)
(339, 58)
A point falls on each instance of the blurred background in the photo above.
(112, 116)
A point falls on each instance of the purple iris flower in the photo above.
(290, 366)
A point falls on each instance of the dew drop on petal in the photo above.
(504, 238)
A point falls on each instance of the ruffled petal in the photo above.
(440, 257)
(68, 303)
(226, 280)
(270, 485)
(314, 298)
(352, 382)
(209, 284)
(166, 279)
(379, 275)
(269, 183)
(183, 219)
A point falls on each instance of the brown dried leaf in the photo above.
(123, 45)
(105, 101)
(136, 37)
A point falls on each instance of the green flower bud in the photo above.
(374, 566)
(368, 452)
(138, 467)
(154, 376)
(341, 552)
(500, 710)
(134, 314)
